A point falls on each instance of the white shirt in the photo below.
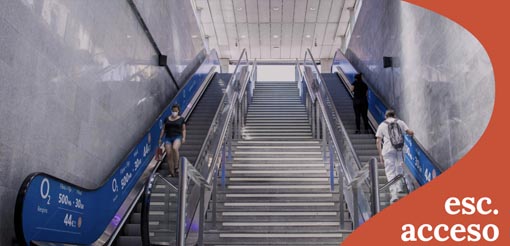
(382, 132)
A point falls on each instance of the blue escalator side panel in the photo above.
(418, 162)
(376, 107)
(56, 211)
(415, 158)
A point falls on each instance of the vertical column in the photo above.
(183, 189)
(326, 65)
(224, 65)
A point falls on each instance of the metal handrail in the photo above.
(335, 112)
(172, 187)
(229, 115)
(385, 103)
(216, 115)
(329, 114)
(391, 182)
(231, 95)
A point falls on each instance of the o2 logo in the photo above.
(45, 190)
(115, 186)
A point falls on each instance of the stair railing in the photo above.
(196, 193)
(385, 105)
(338, 151)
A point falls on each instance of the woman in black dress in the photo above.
(173, 135)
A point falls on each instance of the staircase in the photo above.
(364, 144)
(277, 191)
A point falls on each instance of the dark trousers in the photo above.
(361, 110)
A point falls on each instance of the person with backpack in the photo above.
(390, 135)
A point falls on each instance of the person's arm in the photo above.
(161, 136)
(183, 133)
(379, 150)
(406, 128)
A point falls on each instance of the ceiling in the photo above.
(274, 29)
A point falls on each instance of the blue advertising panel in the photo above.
(53, 210)
(415, 158)
(418, 162)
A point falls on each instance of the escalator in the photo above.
(197, 127)
(198, 123)
(52, 211)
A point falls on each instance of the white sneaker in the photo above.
(393, 200)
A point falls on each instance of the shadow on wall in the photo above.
(442, 83)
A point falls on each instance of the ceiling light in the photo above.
(243, 36)
(308, 36)
(275, 36)
(313, 9)
(239, 9)
(276, 8)
(194, 36)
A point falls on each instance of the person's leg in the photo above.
(175, 152)
(364, 114)
(169, 158)
(357, 114)
(390, 167)
(400, 170)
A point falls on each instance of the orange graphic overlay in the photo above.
(483, 172)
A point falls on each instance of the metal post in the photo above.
(355, 219)
(215, 186)
(324, 138)
(235, 118)
(239, 119)
(183, 189)
(223, 169)
(375, 186)
(229, 139)
(312, 113)
(331, 169)
(341, 199)
(201, 216)
(317, 118)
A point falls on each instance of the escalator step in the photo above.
(129, 241)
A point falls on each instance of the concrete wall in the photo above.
(79, 85)
(443, 85)
(175, 30)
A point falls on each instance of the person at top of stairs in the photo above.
(360, 102)
(390, 155)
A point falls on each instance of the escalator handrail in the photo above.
(21, 197)
(194, 101)
(345, 80)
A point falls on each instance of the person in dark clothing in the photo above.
(173, 135)
(360, 102)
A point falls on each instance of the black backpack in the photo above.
(396, 136)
